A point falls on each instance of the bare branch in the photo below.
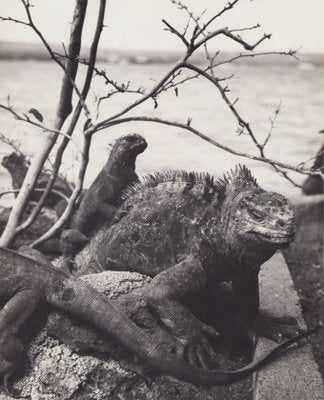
(272, 124)
(203, 136)
(16, 21)
(246, 45)
(74, 196)
(148, 95)
(229, 6)
(230, 104)
(70, 69)
(291, 53)
(14, 144)
(249, 28)
(25, 118)
(225, 31)
(37, 163)
(173, 30)
(285, 175)
(41, 190)
(242, 123)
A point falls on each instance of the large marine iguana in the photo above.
(189, 232)
(25, 283)
(99, 203)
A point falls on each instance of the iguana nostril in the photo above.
(281, 223)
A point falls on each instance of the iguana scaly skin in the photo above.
(25, 283)
(189, 232)
(99, 204)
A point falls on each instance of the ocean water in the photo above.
(259, 88)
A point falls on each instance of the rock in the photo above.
(93, 366)
(17, 166)
(41, 225)
(315, 184)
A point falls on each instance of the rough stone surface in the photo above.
(295, 375)
(58, 371)
(104, 370)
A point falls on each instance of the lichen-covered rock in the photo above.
(91, 366)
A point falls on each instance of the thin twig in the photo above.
(272, 125)
(291, 53)
(229, 6)
(173, 30)
(26, 119)
(14, 144)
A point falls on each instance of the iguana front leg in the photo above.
(164, 294)
(246, 297)
(73, 240)
(13, 316)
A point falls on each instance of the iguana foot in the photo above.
(72, 241)
(276, 328)
(67, 265)
(191, 344)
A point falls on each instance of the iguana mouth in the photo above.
(140, 146)
(275, 238)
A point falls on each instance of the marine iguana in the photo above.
(25, 283)
(186, 230)
(99, 202)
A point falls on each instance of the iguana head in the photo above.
(265, 218)
(129, 146)
(255, 217)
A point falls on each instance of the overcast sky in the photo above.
(136, 24)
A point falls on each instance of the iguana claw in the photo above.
(276, 328)
(196, 349)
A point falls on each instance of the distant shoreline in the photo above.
(33, 51)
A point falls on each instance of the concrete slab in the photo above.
(295, 375)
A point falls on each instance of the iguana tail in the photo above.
(80, 299)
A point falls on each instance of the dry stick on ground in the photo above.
(70, 130)
(62, 112)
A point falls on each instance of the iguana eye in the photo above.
(256, 215)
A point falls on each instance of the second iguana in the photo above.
(99, 203)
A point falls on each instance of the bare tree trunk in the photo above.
(73, 122)
(63, 110)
